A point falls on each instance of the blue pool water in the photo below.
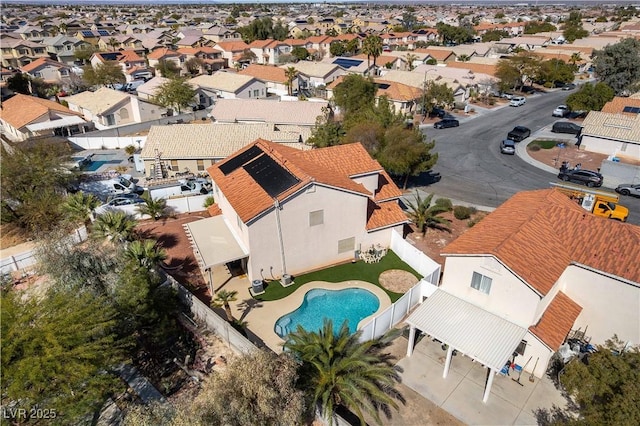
(351, 304)
(95, 165)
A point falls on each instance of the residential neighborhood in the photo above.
(320, 213)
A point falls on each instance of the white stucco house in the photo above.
(230, 85)
(288, 211)
(536, 270)
(112, 108)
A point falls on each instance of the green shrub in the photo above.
(208, 202)
(461, 212)
(542, 144)
(444, 202)
(533, 147)
(130, 149)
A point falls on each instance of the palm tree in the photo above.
(223, 298)
(410, 58)
(80, 206)
(116, 226)
(575, 58)
(464, 58)
(113, 42)
(145, 253)
(339, 370)
(372, 46)
(154, 207)
(291, 73)
(424, 215)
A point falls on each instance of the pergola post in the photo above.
(412, 338)
(213, 292)
(487, 388)
(447, 362)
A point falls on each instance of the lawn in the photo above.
(542, 144)
(369, 272)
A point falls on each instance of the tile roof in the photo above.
(232, 46)
(195, 50)
(42, 62)
(437, 54)
(21, 110)
(199, 141)
(226, 81)
(488, 69)
(398, 91)
(538, 234)
(302, 113)
(382, 215)
(557, 320)
(163, 52)
(618, 127)
(99, 101)
(618, 103)
(333, 167)
(313, 69)
(265, 73)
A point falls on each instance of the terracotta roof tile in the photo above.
(537, 234)
(437, 54)
(488, 69)
(265, 72)
(162, 53)
(557, 320)
(618, 103)
(382, 215)
(232, 46)
(398, 91)
(333, 166)
(21, 110)
(40, 62)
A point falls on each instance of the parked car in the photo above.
(132, 86)
(506, 96)
(585, 177)
(437, 112)
(118, 202)
(569, 86)
(507, 146)
(560, 111)
(517, 101)
(566, 127)
(519, 133)
(629, 189)
(447, 122)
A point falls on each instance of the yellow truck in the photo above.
(600, 203)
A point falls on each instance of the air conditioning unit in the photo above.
(286, 280)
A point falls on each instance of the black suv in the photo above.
(437, 112)
(447, 122)
(519, 133)
(566, 127)
(585, 177)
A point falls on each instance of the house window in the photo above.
(174, 165)
(256, 93)
(316, 218)
(249, 93)
(481, 283)
(111, 120)
(37, 74)
(521, 347)
(346, 245)
(124, 114)
(200, 165)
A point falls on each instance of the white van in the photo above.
(132, 86)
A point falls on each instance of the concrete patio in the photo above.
(461, 392)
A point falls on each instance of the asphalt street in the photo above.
(470, 166)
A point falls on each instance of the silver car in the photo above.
(507, 146)
(629, 189)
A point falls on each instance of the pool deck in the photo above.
(261, 316)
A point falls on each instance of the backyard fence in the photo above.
(213, 321)
(174, 206)
(107, 142)
(425, 266)
(27, 259)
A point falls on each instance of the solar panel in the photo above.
(103, 32)
(239, 160)
(109, 56)
(347, 63)
(634, 110)
(271, 176)
(383, 86)
(87, 33)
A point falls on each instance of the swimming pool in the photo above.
(351, 304)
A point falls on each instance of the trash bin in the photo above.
(257, 286)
